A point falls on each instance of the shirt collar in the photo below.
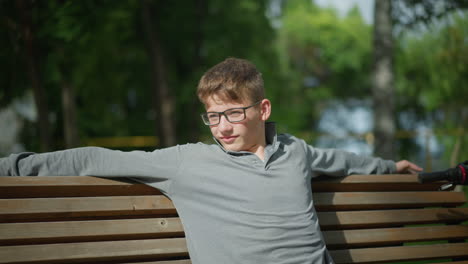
(270, 133)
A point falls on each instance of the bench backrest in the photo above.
(364, 218)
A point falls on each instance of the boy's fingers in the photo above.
(405, 166)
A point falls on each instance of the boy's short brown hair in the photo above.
(233, 79)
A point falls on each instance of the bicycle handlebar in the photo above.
(457, 175)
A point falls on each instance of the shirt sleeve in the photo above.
(340, 163)
(157, 168)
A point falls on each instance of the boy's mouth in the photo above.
(228, 139)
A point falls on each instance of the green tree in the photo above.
(325, 56)
(94, 55)
(163, 98)
(432, 78)
(26, 33)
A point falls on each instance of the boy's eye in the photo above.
(212, 115)
(235, 113)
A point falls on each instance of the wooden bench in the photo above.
(365, 219)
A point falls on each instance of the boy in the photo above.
(246, 199)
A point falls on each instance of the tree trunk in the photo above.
(163, 102)
(383, 81)
(70, 129)
(24, 8)
(194, 118)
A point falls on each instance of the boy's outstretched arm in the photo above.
(157, 169)
(404, 166)
(93, 161)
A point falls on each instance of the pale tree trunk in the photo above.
(383, 81)
(40, 99)
(163, 102)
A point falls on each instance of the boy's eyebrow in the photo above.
(226, 110)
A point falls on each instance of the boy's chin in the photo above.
(232, 147)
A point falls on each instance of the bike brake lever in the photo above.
(446, 186)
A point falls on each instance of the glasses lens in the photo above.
(235, 115)
(210, 118)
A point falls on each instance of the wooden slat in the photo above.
(45, 208)
(373, 183)
(389, 218)
(87, 252)
(58, 232)
(182, 261)
(82, 186)
(393, 236)
(70, 186)
(81, 231)
(385, 200)
(403, 253)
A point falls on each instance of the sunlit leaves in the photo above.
(432, 65)
(325, 55)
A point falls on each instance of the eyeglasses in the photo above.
(233, 115)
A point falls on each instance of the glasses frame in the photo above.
(224, 114)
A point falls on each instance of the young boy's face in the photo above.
(246, 135)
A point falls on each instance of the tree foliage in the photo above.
(432, 77)
(433, 65)
(99, 48)
(325, 55)
(408, 14)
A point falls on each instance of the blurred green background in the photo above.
(123, 74)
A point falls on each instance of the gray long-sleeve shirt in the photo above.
(235, 208)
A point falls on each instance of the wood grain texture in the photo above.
(391, 218)
(82, 186)
(88, 252)
(385, 200)
(86, 231)
(44, 208)
(403, 253)
(392, 236)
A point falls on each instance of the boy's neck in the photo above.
(259, 149)
(260, 153)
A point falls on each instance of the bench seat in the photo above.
(364, 218)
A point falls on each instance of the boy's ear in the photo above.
(265, 109)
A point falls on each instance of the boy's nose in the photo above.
(224, 125)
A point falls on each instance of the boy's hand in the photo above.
(404, 166)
